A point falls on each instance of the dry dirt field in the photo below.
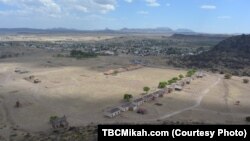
(80, 90)
(59, 37)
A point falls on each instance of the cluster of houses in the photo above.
(134, 105)
(119, 70)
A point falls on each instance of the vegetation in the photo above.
(127, 97)
(60, 55)
(191, 72)
(231, 55)
(79, 54)
(162, 84)
(228, 76)
(175, 78)
(146, 89)
(171, 81)
(181, 76)
(53, 118)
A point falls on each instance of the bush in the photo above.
(146, 89)
(162, 84)
(127, 97)
(181, 76)
(52, 118)
(227, 76)
(245, 81)
(79, 54)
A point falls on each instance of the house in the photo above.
(178, 87)
(159, 93)
(113, 112)
(125, 107)
(148, 97)
(138, 101)
(133, 107)
(171, 88)
(121, 70)
(59, 122)
(188, 80)
(109, 72)
(181, 83)
(199, 75)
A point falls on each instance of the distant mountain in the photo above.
(159, 30)
(147, 30)
(184, 30)
(230, 55)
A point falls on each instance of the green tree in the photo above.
(127, 97)
(162, 84)
(146, 89)
(181, 76)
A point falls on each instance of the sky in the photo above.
(210, 16)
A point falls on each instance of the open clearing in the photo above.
(80, 90)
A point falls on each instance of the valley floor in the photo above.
(79, 90)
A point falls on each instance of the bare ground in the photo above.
(79, 90)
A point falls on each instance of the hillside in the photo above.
(230, 55)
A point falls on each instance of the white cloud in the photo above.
(208, 7)
(152, 3)
(224, 17)
(56, 8)
(129, 1)
(143, 12)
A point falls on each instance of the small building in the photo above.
(37, 81)
(138, 101)
(178, 87)
(159, 93)
(181, 83)
(113, 112)
(171, 88)
(148, 97)
(199, 75)
(188, 80)
(125, 107)
(109, 72)
(121, 70)
(133, 107)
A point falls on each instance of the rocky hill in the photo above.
(230, 55)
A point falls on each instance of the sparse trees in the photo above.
(146, 89)
(228, 76)
(127, 97)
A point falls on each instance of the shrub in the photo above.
(175, 78)
(146, 89)
(181, 76)
(227, 76)
(162, 84)
(248, 119)
(52, 118)
(127, 97)
(79, 54)
(245, 81)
